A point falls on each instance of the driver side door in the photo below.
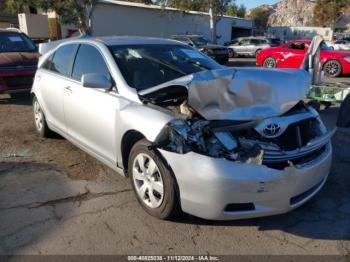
(91, 112)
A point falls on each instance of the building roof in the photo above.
(157, 7)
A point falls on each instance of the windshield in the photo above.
(145, 66)
(15, 42)
(200, 41)
(324, 46)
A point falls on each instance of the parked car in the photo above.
(248, 46)
(217, 52)
(193, 136)
(275, 41)
(291, 55)
(18, 62)
(342, 45)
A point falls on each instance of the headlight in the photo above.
(347, 59)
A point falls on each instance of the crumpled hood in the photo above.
(247, 94)
(243, 94)
(18, 58)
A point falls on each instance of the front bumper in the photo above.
(14, 81)
(208, 185)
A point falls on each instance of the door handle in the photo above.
(68, 89)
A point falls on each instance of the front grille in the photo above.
(19, 81)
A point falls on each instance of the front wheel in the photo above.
(332, 68)
(269, 62)
(153, 182)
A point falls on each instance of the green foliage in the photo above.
(260, 16)
(234, 10)
(327, 12)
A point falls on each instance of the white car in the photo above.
(342, 45)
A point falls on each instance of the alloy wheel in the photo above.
(38, 116)
(332, 68)
(148, 180)
(269, 63)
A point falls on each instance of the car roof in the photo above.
(127, 40)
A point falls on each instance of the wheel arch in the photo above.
(129, 139)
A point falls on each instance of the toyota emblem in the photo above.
(272, 130)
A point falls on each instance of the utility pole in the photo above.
(212, 22)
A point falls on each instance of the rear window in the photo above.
(15, 42)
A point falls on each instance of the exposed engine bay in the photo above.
(225, 114)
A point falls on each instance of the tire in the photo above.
(269, 62)
(231, 53)
(39, 120)
(332, 68)
(145, 178)
(257, 52)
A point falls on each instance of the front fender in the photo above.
(144, 119)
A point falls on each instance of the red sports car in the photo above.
(18, 62)
(291, 55)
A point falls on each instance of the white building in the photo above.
(112, 17)
(300, 32)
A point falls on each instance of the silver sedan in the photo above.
(193, 136)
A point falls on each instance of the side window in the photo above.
(254, 41)
(296, 46)
(89, 60)
(62, 60)
(48, 63)
(244, 42)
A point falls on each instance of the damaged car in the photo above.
(215, 142)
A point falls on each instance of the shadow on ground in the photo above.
(23, 100)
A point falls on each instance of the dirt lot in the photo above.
(55, 199)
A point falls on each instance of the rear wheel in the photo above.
(39, 120)
(257, 52)
(332, 68)
(269, 62)
(153, 182)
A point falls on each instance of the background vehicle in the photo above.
(216, 52)
(18, 62)
(275, 41)
(248, 46)
(291, 55)
(144, 107)
(343, 45)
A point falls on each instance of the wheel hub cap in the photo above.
(148, 180)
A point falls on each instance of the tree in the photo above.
(260, 16)
(241, 11)
(70, 12)
(216, 9)
(327, 12)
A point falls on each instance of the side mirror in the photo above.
(190, 44)
(96, 81)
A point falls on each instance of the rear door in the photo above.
(91, 112)
(52, 78)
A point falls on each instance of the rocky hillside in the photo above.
(292, 13)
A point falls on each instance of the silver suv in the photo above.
(248, 46)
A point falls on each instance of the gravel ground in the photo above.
(55, 199)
